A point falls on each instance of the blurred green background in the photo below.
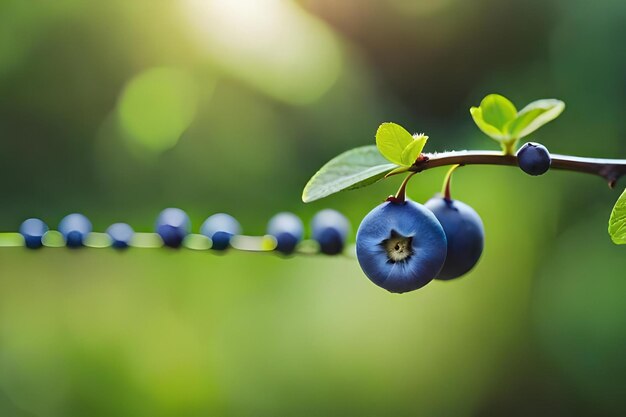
(118, 109)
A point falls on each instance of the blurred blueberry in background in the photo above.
(220, 228)
(173, 225)
(288, 230)
(33, 231)
(120, 234)
(330, 229)
(75, 228)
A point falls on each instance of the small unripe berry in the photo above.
(534, 158)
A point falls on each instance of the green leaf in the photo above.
(533, 116)
(391, 140)
(498, 118)
(413, 150)
(617, 221)
(352, 169)
(497, 111)
(493, 114)
(515, 127)
(489, 130)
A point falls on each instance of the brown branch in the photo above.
(609, 169)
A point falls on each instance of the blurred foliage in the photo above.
(118, 109)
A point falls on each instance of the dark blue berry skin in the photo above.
(220, 228)
(464, 232)
(173, 225)
(120, 234)
(75, 228)
(534, 159)
(401, 246)
(288, 230)
(330, 229)
(33, 231)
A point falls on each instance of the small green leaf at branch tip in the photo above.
(533, 116)
(497, 118)
(494, 112)
(413, 150)
(617, 221)
(397, 145)
(355, 168)
(487, 129)
(497, 111)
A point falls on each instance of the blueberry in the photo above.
(220, 228)
(330, 229)
(464, 232)
(401, 246)
(288, 230)
(75, 228)
(120, 234)
(173, 226)
(534, 159)
(33, 231)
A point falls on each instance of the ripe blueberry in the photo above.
(220, 228)
(534, 158)
(464, 233)
(330, 229)
(120, 234)
(173, 226)
(401, 246)
(288, 230)
(33, 231)
(75, 228)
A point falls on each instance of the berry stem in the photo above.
(609, 169)
(446, 183)
(400, 197)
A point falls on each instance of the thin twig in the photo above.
(609, 169)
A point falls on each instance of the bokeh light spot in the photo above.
(272, 45)
(156, 107)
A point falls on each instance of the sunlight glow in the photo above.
(272, 45)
